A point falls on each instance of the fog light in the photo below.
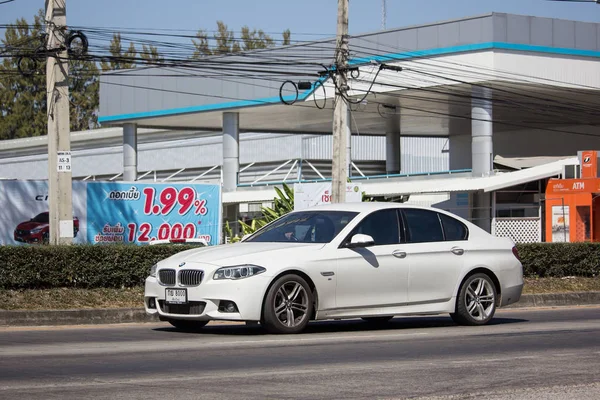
(227, 306)
(151, 303)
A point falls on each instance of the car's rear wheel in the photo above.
(377, 320)
(288, 305)
(476, 302)
(187, 325)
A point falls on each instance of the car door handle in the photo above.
(399, 254)
(458, 251)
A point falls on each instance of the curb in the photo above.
(137, 315)
(75, 317)
(557, 300)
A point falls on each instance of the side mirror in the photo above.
(360, 240)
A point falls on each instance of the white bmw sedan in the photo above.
(367, 260)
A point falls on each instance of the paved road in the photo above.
(541, 354)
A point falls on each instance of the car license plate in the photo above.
(176, 296)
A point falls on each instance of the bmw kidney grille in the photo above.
(166, 276)
(187, 277)
(190, 277)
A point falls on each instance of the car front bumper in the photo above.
(203, 300)
(28, 237)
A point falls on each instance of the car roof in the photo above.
(364, 207)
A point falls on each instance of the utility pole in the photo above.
(339, 165)
(60, 199)
(383, 14)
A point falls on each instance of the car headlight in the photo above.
(36, 230)
(153, 270)
(238, 272)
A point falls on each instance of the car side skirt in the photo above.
(430, 308)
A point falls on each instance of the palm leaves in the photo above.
(282, 204)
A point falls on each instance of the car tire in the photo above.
(288, 305)
(46, 238)
(377, 320)
(476, 301)
(187, 325)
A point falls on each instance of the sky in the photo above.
(305, 18)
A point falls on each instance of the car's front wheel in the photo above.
(288, 305)
(187, 325)
(476, 302)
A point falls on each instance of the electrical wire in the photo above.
(246, 68)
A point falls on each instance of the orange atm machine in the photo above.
(573, 205)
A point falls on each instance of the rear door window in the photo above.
(453, 229)
(423, 226)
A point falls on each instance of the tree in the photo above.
(255, 39)
(23, 110)
(287, 34)
(150, 54)
(84, 88)
(225, 42)
(22, 99)
(202, 45)
(119, 59)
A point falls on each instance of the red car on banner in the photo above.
(37, 229)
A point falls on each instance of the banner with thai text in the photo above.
(143, 212)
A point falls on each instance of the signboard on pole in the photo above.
(312, 194)
(141, 212)
(560, 224)
(24, 212)
(64, 161)
(113, 212)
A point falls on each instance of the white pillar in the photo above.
(482, 152)
(130, 158)
(392, 144)
(481, 131)
(349, 143)
(231, 152)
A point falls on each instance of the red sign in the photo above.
(573, 186)
(589, 164)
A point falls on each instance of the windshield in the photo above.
(42, 218)
(305, 227)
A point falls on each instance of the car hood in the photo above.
(29, 225)
(236, 253)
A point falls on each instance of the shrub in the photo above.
(117, 266)
(81, 266)
(560, 259)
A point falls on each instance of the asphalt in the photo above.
(523, 354)
(133, 315)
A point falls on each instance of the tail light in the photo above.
(516, 252)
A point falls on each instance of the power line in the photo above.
(218, 66)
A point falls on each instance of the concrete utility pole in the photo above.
(383, 14)
(59, 140)
(339, 165)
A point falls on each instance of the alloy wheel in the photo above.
(480, 299)
(291, 304)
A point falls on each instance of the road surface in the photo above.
(524, 354)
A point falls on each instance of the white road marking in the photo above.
(234, 374)
(187, 344)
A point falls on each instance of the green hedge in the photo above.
(115, 266)
(81, 266)
(560, 259)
